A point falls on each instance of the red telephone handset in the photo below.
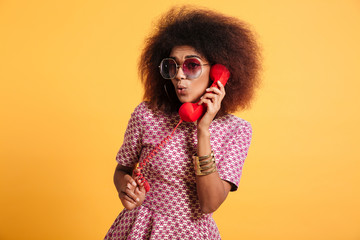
(190, 112)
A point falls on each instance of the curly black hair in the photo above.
(219, 38)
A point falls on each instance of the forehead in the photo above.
(182, 52)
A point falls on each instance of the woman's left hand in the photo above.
(212, 98)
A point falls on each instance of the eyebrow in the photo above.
(188, 56)
(192, 56)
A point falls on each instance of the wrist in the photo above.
(203, 132)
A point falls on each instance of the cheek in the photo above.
(202, 85)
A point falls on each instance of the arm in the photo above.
(211, 189)
(127, 157)
(130, 190)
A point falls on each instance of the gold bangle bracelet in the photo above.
(203, 157)
(207, 173)
(203, 173)
(205, 162)
(207, 167)
(200, 166)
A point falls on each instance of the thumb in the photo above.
(136, 173)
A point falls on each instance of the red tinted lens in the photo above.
(192, 68)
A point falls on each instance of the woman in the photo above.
(174, 67)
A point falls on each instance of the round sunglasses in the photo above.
(191, 67)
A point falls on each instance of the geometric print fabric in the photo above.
(171, 209)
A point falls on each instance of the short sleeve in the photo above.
(130, 150)
(234, 153)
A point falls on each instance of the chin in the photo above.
(184, 99)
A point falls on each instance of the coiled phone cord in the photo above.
(137, 172)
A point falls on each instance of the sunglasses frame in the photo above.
(181, 66)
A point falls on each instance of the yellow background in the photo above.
(69, 83)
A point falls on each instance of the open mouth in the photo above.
(181, 89)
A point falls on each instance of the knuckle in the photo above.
(128, 192)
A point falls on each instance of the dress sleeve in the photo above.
(130, 150)
(233, 156)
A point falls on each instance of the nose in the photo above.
(180, 74)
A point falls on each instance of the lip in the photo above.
(181, 89)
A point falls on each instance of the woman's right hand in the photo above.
(131, 190)
(133, 193)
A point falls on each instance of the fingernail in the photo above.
(133, 183)
(128, 185)
(208, 89)
(137, 199)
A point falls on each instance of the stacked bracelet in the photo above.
(204, 165)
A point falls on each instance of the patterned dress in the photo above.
(171, 208)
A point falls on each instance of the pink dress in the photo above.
(171, 209)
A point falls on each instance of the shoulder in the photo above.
(233, 122)
(231, 128)
(145, 112)
(141, 108)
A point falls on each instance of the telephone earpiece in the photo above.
(190, 112)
